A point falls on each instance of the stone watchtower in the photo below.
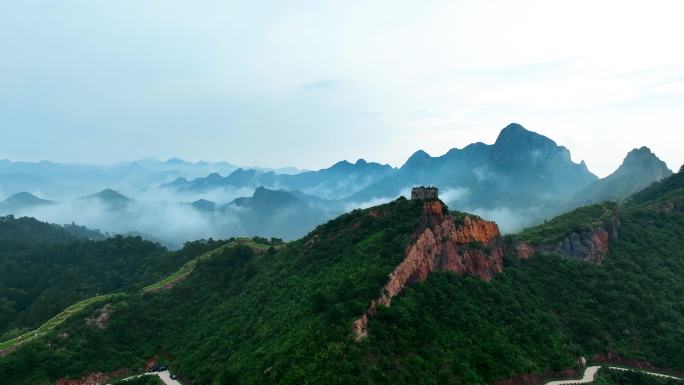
(424, 192)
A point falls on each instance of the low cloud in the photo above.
(453, 196)
(509, 220)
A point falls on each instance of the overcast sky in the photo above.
(307, 83)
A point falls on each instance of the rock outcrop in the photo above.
(614, 359)
(590, 245)
(95, 378)
(441, 242)
(537, 378)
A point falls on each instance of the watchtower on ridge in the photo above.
(424, 192)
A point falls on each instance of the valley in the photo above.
(487, 310)
(341, 192)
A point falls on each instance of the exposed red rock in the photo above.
(6, 351)
(524, 250)
(151, 362)
(472, 246)
(591, 245)
(537, 378)
(614, 359)
(100, 318)
(95, 378)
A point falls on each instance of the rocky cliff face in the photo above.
(442, 243)
(95, 378)
(592, 245)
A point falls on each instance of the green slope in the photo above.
(284, 316)
(615, 377)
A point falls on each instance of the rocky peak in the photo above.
(468, 245)
(516, 144)
(590, 245)
(643, 161)
(417, 160)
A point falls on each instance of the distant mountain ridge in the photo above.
(62, 180)
(521, 172)
(113, 200)
(339, 180)
(640, 168)
(519, 180)
(21, 201)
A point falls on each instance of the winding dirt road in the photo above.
(165, 376)
(590, 375)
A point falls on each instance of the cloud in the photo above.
(509, 220)
(321, 85)
(453, 195)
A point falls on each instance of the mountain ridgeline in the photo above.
(44, 268)
(640, 168)
(520, 180)
(403, 293)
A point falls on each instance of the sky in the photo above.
(308, 83)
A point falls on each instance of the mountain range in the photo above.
(520, 180)
(67, 180)
(406, 292)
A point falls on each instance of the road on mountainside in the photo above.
(645, 372)
(165, 376)
(590, 375)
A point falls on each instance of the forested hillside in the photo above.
(285, 317)
(44, 268)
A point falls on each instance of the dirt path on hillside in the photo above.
(165, 376)
(590, 375)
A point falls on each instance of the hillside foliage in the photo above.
(284, 316)
(44, 268)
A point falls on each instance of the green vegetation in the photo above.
(608, 376)
(285, 316)
(45, 268)
(56, 320)
(668, 190)
(28, 229)
(581, 219)
(256, 243)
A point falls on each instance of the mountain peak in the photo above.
(341, 164)
(22, 196)
(645, 160)
(110, 195)
(25, 198)
(417, 160)
(517, 144)
(420, 154)
(515, 133)
(175, 160)
(640, 154)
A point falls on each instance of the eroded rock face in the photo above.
(472, 246)
(592, 245)
(100, 318)
(538, 378)
(95, 378)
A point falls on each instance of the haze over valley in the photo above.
(383, 192)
